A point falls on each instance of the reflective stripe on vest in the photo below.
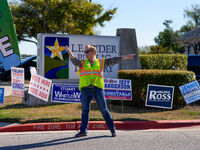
(92, 72)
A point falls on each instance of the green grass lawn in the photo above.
(14, 111)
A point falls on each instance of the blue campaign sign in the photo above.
(1, 96)
(190, 91)
(118, 89)
(115, 89)
(65, 93)
(160, 96)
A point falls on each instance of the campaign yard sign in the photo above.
(159, 96)
(190, 92)
(33, 70)
(17, 81)
(65, 93)
(118, 89)
(1, 96)
(39, 87)
(115, 89)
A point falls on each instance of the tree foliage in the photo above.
(193, 18)
(160, 50)
(57, 16)
(169, 39)
(193, 22)
(154, 49)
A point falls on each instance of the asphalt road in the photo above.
(168, 139)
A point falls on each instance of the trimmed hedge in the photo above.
(141, 78)
(164, 61)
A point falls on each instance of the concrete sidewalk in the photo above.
(99, 125)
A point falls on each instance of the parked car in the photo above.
(28, 62)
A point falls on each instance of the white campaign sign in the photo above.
(33, 70)
(40, 87)
(17, 81)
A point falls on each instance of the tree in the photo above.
(169, 39)
(193, 22)
(57, 16)
(154, 49)
(160, 50)
(144, 50)
(193, 18)
(164, 38)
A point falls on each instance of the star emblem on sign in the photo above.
(56, 50)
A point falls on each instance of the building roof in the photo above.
(191, 35)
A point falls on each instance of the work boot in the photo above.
(80, 134)
(113, 133)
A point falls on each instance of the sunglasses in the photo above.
(87, 51)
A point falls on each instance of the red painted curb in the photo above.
(101, 125)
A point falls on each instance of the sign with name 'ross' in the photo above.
(160, 96)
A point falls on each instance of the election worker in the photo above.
(91, 84)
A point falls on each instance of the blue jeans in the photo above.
(87, 94)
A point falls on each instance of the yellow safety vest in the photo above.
(91, 75)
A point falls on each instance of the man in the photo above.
(91, 84)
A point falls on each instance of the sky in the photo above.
(145, 16)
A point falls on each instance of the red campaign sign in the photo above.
(39, 87)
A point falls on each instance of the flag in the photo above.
(9, 50)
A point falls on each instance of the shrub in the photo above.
(141, 78)
(163, 61)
